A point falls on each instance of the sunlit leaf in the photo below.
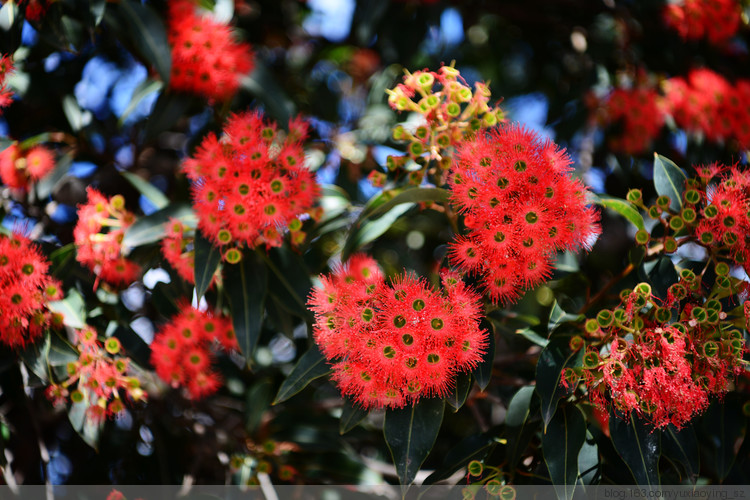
(669, 180)
(151, 228)
(622, 207)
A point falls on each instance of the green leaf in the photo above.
(258, 398)
(150, 229)
(207, 258)
(682, 447)
(47, 184)
(552, 361)
(49, 357)
(88, 429)
(412, 195)
(168, 108)
(723, 425)
(458, 396)
(518, 429)
(372, 230)
(661, 274)
(588, 461)
(410, 433)
(310, 366)
(292, 283)
(77, 118)
(474, 447)
(483, 372)
(263, 85)
(561, 444)
(532, 336)
(145, 88)
(622, 207)
(558, 316)
(246, 284)
(148, 36)
(72, 307)
(351, 415)
(96, 11)
(669, 180)
(147, 189)
(639, 446)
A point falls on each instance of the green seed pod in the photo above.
(635, 196)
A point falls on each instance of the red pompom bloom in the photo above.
(100, 377)
(18, 167)
(391, 344)
(717, 20)
(178, 249)
(25, 289)
(6, 95)
(520, 205)
(206, 59)
(250, 185)
(639, 111)
(98, 237)
(183, 351)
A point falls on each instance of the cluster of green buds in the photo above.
(451, 112)
(488, 478)
(263, 459)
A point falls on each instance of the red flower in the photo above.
(18, 167)
(391, 344)
(184, 350)
(25, 289)
(640, 115)
(717, 20)
(98, 237)
(100, 377)
(206, 59)
(251, 184)
(6, 67)
(520, 206)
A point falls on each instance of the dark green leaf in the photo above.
(147, 189)
(458, 396)
(351, 415)
(410, 433)
(532, 336)
(169, 107)
(151, 228)
(474, 447)
(73, 309)
(638, 447)
(148, 36)
(661, 274)
(682, 447)
(263, 85)
(87, 428)
(558, 316)
(246, 284)
(588, 462)
(258, 399)
(412, 195)
(553, 360)
(518, 428)
(207, 258)
(622, 207)
(372, 230)
(483, 372)
(292, 283)
(166, 299)
(310, 366)
(724, 425)
(561, 444)
(669, 180)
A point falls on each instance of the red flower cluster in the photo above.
(520, 205)
(639, 113)
(18, 167)
(25, 289)
(725, 221)
(6, 67)
(251, 184)
(707, 103)
(100, 378)
(184, 350)
(391, 344)
(206, 59)
(717, 20)
(98, 237)
(178, 249)
(663, 371)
